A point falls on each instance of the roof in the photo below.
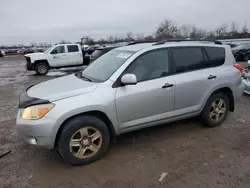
(138, 47)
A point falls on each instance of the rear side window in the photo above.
(72, 48)
(216, 55)
(189, 59)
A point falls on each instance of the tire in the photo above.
(209, 114)
(71, 131)
(42, 68)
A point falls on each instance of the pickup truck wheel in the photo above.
(215, 110)
(42, 68)
(83, 140)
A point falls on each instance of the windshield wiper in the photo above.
(85, 78)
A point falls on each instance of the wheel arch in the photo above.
(96, 113)
(229, 94)
(41, 61)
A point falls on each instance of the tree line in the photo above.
(167, 29)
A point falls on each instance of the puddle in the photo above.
(56, 73)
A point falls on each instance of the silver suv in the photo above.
(129, 88)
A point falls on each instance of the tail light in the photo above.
(239, 67)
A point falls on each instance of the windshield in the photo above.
(48, 50)
(106, 65)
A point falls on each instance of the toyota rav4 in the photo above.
(126, 89)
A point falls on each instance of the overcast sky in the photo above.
(25, 21)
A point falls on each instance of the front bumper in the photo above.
(36, 132)
(29, 65)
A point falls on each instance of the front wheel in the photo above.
(42, 68)
(83, 140)
(215, 110)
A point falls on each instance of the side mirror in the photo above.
(129, 79)
(248, 62)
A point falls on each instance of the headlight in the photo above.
(37, 111)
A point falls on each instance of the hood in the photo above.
(61, 88)
(36, 55)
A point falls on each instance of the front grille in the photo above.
(29, 65)
(28, 59)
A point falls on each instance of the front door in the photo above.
(152, 98)
(58, 57)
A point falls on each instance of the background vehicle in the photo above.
(246, 79)
(242, 52)
(58, 56)
(138, 86)
(231, 45)
(2, 53)
(99, 52)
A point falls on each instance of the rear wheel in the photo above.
(42, 68)
(215, 110)
(83, 140)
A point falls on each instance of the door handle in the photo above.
(167, 85)
(211, 77)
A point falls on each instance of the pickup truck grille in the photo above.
(29, 65)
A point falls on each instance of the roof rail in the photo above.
(186, 40)
(141, 41)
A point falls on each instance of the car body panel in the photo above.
(60, 88)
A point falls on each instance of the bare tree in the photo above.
(89, 41)
(64, 42)
(185, 30)
(167, 29)
(221, 31)
(129, 36)
(244, 29)
(139, 36)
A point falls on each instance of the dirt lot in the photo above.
(192, 155)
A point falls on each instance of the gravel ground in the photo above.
(191, 155)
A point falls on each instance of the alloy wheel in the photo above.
(85, 142)
(217, 110)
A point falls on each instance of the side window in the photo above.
(189, 59)
(58, 50)
(72, 48)
(151, 65)
(216, 55)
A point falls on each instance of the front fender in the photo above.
(67, 108)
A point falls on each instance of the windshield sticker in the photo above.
(123, 55)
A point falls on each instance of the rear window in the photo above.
(216, 55)
(72, 48)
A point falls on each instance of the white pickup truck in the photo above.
(57, 56)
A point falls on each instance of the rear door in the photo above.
(74, 55)
(194, 77)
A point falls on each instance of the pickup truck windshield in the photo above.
(106, 65)
(48, 50)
